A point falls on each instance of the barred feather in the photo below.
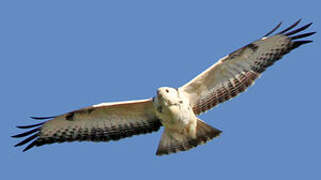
(234, 73)
(97, 123)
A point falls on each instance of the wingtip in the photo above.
(26, 133)
(299, 29)
(290, 27)
(14, 136)
(274, 29)
(30, 126)
(308, 25)
(298, 21)
(27, 140)
(42, 118)
(302, 35)
(296, 44)
(29, 146)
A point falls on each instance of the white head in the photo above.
(167, 96)
(171, 106)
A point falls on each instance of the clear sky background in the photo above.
(57, 56)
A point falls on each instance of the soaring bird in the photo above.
(174, 108)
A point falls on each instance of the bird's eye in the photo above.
(167, 90)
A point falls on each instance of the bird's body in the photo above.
(176, 109)
(173, 109)
(179, 121)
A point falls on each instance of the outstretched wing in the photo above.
(102, 122)
(232, 74)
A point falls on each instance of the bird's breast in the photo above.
(175, 115)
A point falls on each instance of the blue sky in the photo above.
(57, 56)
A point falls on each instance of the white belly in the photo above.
(178, 117)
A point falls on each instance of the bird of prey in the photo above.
(174, 108)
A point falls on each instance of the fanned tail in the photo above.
(173, 142)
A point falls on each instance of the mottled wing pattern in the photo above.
(102, 122)
(232, 74)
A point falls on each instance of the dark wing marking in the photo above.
(234, 73)
(96, 123)
(288, 28)
(274, 29)
(42, 118)
(30, 126)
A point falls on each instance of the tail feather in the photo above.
(173, 142)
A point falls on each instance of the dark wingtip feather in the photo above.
(274, 29)
(42, 118)
(26, 133)
(299, 29)
(26, 140)
(299, 43)
(290, 27)
(30, 146)
(30, 126)
(302, 35)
